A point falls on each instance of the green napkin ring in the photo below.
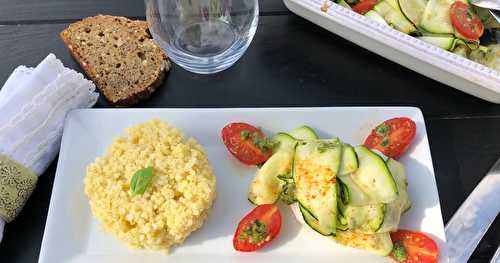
(16, 184)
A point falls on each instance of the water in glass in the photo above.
(203, 36)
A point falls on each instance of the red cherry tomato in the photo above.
(392, 137)
(413, 247)
(465, 21)
(258, 228)
(364, 6)
(247, 143)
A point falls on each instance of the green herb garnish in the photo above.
(399, 251)
(484, 18)
(385, 142)
(382, 129)
(264, 144)
(245, 134)
(254, 233)
(140, 181)
(470, 13)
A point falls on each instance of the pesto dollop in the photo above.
(264, 144)
(254, 233)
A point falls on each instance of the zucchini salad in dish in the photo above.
(453, 25)
(354, 195)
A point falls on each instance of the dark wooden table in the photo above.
(291, 62)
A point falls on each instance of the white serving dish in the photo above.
(426, 59)
(73, 235)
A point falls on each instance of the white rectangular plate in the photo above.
(424, 58)
(72, 234)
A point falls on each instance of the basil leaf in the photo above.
(140, 181)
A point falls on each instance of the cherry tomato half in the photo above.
(258, 228)
(392, 137)
(413, 247)
(364, 6)
(465, 21)
(247, 143)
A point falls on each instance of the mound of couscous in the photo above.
(175, 203)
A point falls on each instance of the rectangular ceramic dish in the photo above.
(426, 59)
(73, 235)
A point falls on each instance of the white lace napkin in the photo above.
(33, 105)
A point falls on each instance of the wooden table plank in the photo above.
(459, 161)
(290, 63)
(32, 11)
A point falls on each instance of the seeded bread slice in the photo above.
(119, 55)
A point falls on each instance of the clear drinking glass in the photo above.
(203, 36)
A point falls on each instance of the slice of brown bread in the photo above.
(119, 55)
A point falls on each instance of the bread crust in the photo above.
(134, 97)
